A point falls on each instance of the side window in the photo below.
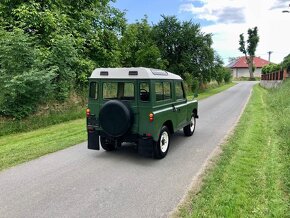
(166, 90)
(93, 90)
(179, 91)
(163, 91)
(129, 90)
(144, 91)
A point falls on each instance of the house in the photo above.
(240, 68)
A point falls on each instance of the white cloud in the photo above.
(233, 17)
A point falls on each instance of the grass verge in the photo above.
(251, 176)
(212, 91)
(19, 148)
(39, 121)
(22, 147)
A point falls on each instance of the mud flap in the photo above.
(146, 147)
(93, 140)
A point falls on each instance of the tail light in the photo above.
(88, 112)
(151, 117)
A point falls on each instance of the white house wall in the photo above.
(244, 72)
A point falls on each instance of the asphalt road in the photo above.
(77, 182)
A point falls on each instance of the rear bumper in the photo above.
(145, 144)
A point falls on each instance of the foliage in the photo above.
(249, 51)
(138, 47)
(24, 83)
(63, 56)
(219, 72)
(61, 42)
(185, 47)
(227, 75)
(271, 68)
(286, 63)
(91, 28)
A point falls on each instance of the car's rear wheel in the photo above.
(162, 146)
(189, 129)
(107, 144)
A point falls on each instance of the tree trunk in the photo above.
(250, 61)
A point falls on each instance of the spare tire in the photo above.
(115, 118)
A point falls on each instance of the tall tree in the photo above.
(137, 46)
(185, 47)
(249, 52)
(92, 27)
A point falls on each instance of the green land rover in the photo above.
(139, 105)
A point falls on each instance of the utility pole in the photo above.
(269, 52)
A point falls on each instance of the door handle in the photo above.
(174, 108)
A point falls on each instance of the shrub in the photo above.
(64, 58)
(270, 68)
(24, 83)
(286, 63)
(24, 92)
(227, 75)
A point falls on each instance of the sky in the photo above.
(225, 20)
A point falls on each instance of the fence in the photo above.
(280, 75)
(273, 80)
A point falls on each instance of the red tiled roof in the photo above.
(242, 63)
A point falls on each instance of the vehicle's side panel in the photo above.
(180, 105)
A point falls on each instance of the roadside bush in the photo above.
(227, 75)
(24, 92)
(64, 59)
(286, 63)
(270, 68)
(191, 82)
(23, 85)
(219, 75)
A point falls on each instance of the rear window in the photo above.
(118, 90)
(93, 93)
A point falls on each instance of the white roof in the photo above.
(132, 73)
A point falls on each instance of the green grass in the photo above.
(212, 91)
(19, 148)
(10, 126)
(251, 176)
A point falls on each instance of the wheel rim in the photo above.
(192, 124)
(164, 141)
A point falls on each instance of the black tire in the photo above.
(162, 146)
(115, 118)
(190, 128)
(106, 144)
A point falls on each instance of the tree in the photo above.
(218, 69)
(249, 52)
(138, 47)
(25, 82)
(286, 63)
(94, 27)
(185, 47)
